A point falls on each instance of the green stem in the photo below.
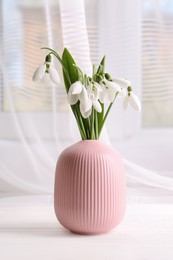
(92, 125)
(54, 53)
(107, 112)
(80, 124)
(104, 119)
(96, 124)
(86, 123)
(100, 116)
(87, 133)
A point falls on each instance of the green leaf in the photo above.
(80, 74)
(68, 65)
(101, 68)
(73, 74)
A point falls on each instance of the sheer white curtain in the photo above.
(35, 121)
(28, 162)
(28, 113)
(121, 38)
(158, 56)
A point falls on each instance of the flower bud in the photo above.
(108, 76)
(48, 58)
(129, 89)
(99, 78)
(47, 67)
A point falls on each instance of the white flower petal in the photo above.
(46, 79)
(103, 95)
(113, 86)
(95, 95)
(86, 114)
(76, 88)
(125, 102)
(90, 87)
(72, 99)
(123, 83)
(111, 95)
(83, 96)
(54, 76)
(97, 106)
(135, 102)
(85, 106)
(97, 85)
(39, 73)
(94, 90)
(122, 93)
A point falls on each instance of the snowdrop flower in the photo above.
(39, 73)
(76, 92)
(46, 68)
(123, 83)
(110, 89)
(93, 93)
(131, 99)
(54, 76)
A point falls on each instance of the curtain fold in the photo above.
(74, 32)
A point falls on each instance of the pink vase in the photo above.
(90, 190)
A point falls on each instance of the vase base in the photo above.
(89, 233)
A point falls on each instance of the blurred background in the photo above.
(35, 121)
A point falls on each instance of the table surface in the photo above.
(29, 230)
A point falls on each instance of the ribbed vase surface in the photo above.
(90, 189)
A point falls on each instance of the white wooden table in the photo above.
(29, 230)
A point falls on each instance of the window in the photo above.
(157, 63)
(22, 38)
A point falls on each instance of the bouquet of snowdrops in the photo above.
(87, 95)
